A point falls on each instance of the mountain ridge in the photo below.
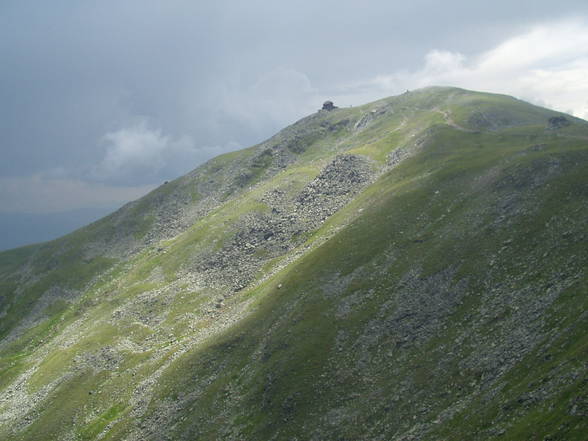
(359, 239)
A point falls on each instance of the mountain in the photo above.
(410, 269)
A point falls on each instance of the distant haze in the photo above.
(103, 101)
(26, 228)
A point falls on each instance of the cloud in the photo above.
(210, 80)
(134, 161)
(273, 99)
(47, 194)
(141, 153)
(136, 147)
(282, 94)
(547, 65)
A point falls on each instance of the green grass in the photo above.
(92, 430)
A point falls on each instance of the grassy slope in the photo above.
(298, 368)
(449, 307)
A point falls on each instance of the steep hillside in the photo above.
(411, 269)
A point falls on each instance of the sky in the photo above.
(101, 101)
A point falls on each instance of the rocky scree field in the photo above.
(410, 269)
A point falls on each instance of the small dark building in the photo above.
(328, 105)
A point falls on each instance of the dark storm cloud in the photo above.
(104, 94)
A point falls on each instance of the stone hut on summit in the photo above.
(328, 105)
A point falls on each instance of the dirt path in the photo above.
(450, 122)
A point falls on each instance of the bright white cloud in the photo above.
(141, 153)
(547, 65)
(136, 149)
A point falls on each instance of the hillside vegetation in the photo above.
(410, 269)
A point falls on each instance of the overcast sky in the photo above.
(102, 100)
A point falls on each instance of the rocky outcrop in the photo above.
(265, 236)
(557, 122)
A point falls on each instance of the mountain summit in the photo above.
(410, 269)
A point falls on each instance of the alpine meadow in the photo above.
(414, 268)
